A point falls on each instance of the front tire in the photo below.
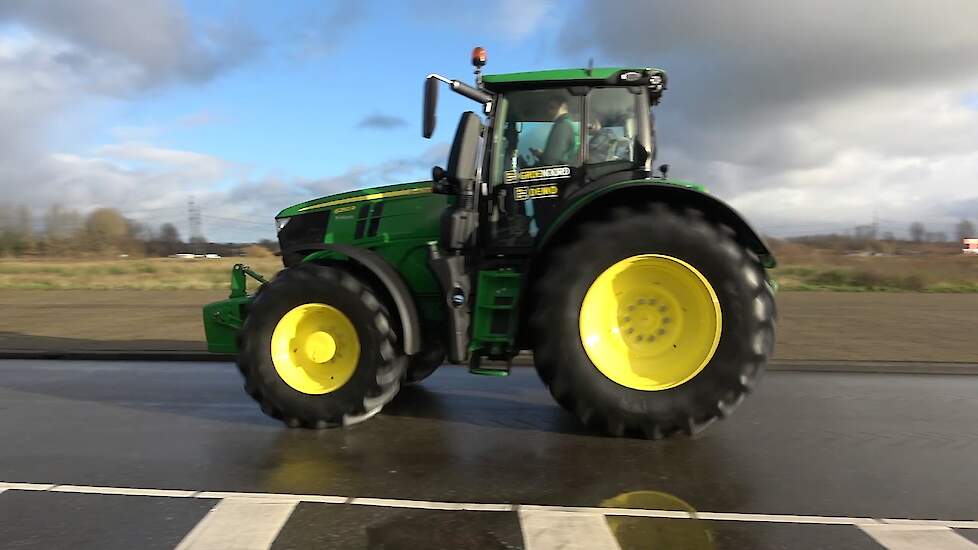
(652, 322)
(424, 363)
(317, 349)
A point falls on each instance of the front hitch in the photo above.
(223, 319)
(239, 280)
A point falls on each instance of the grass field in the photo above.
(803, 269)
(911, 326)
(880, 266)
(126, 273)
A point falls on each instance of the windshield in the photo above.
(537, 128)
(613, 125)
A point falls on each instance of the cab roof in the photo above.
(567, 77)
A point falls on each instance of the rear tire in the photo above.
(377, 373)
(729, 371)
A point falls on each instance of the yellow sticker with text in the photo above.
(535, 192)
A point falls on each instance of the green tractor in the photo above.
(644, 299)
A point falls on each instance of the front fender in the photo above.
(392, 281)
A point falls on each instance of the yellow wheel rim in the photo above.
(315, 348)
(650, 322)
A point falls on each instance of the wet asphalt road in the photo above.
(812, 444)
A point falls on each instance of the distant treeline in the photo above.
(104, 231)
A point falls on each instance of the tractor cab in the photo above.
(547, 136)
(547, 144)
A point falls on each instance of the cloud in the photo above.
(384, 173)
(804, 112)
(382, 122)
(152, 185)
(150, 42)
(57, 59)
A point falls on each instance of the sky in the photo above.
(808, 117)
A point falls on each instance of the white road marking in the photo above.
(635, 512)
(915, 537)
(272, 496)
(488, 507)
(27, 486)
(240, 524)
(550, 529)
(122, 491)
(960, 524)
(429, 505)
(786, 518)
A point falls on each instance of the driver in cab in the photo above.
(561, 146)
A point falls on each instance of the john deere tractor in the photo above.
(643, 299)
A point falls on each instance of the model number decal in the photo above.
(535, 192)
(533, 174)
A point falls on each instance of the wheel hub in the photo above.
(650, 322)
(320, 347)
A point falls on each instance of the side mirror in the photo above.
(465, 149)
(437, 174)
(641, 155)
(439, 181)
(430, 106)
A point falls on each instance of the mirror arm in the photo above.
(461, 88)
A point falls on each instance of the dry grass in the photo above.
(800, 268)
(132, 274)
(925, 270)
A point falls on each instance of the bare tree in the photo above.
(169, 240)
(917, 232)
(169, 234)
(965, 230)
(61, 229)
(106, 229)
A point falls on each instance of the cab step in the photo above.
(496, 368)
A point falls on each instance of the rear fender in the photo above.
(643, 191)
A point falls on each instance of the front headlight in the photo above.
(280, 223)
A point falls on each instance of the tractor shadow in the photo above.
(457, 397)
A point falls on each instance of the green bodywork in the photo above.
(411, 217)
(410, 214)
(397, 222)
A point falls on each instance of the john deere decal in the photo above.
(536, 174)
